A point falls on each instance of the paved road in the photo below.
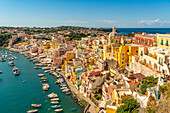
(73, 89)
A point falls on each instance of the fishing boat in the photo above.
(11, 63)
(44, 80)
(0, 72)
(40, 75)
(36, 105)
(73, 109)
(15, 71)
(54, 102)
(55, 106)
(58, 110)
(52, 95)
(55, 99)
(67, 93)
(32, 111)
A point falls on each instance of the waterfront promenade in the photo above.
(73, 89)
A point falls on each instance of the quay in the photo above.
(91, 107)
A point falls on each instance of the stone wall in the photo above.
(140, 68)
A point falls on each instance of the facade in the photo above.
(163, 41)
(144, 39)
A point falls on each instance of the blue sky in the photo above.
(87, 13)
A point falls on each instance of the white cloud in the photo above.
(154, 22)
(108, 21)
(77, 22)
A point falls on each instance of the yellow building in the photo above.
(95, 48)
(125, 54)
(163, 40)
(111, 109)
(70, 55)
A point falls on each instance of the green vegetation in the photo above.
(98, 96)
(4, 39)
(129, 105)
(150, 81)
(84, 102)
(77, 36)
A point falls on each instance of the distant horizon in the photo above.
(89, 27)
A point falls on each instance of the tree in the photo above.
(129, 105)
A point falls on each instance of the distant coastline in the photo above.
(147, 30)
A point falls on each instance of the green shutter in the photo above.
(167, 43)
(161, 42)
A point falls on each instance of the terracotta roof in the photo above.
(140, 76)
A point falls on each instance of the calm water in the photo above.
(147, 30)
(15, 95)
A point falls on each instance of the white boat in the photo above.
(40, 75)
(45, 87)
(52, 95)
(15, 71)
(32, 111)
(58, 110)
(55, 99)
(47, 71)
(54, 102)
(0, 72)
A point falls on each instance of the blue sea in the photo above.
(16, 96)
(147, 30)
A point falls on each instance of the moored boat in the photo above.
(15, 71)
(11, 63)
(2, 59)
(36, 105)
(54, 102)
(73, 109)
(40, 75)
(47, 71)
(32, 111)
(55, 99)
(67, 93)
(52, 95)
(0, 72)
(55, 106)
(43, 78)
(58, 110)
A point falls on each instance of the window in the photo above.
(136, 51)
(116, 41)
(122, 62)
(166, 42)
(162, 42)
(127, 50)
(122, 54)
(122, 58)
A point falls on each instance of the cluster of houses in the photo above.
(108, 68)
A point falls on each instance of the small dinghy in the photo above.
(36, 105)
(54, 102)
(58, 110)
(32, 111)
(55, 106)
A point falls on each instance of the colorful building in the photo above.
(163, 40)
(145, 40)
